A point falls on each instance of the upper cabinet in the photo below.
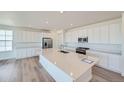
(47, 35)
(102, 33)
(74, 37)
(28, 36)
(80, 33)
(84, 33)
(96, 35)
(90, 35)
(68, 36)
(115, 33)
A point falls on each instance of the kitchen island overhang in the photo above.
(67, 67)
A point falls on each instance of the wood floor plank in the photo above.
(107, 75)
(30, 70)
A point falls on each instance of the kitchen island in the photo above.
(67, 66)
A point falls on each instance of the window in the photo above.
(6, 38)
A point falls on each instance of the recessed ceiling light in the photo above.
(61, 12)
(71, 24)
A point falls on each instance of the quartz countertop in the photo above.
(71, 63)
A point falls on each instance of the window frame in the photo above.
(7, 40)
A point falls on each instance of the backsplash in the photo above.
(114, 48)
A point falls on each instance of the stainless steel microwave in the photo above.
(82, 40)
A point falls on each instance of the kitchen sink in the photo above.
(63, 51)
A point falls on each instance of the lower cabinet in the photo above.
(103, 60)
(114, 62)
(26, 52)
(109, 61)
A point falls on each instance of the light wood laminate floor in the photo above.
(30, 70)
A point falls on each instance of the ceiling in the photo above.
(54, 20)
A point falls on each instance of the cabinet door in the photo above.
(60, 39)
(96, 35)
(80, 34)
(90, 36)
(19, 36)
(115, 33)
(84, 33)
(114, 61)
(21, 53)
(31, 37)
(104, 34)
(28, 36)
(74, 36)
(68, 36)
(103, 60)
(24, 36)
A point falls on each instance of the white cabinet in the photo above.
(115, 33)
(37, 37)
(24, 36)
(101, 33)
(19, 36)
(48, 35)
(60, 39)
(27, 36)
(74, 36)
(80, 34)
(27, 52)
(103, 60)
(114, 62)
(21, 53)
(68, 36)
(96, 35)
(84, 33)
(90, 36)
(108, 61)
(104, 34)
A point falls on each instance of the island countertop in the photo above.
(70, 62)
